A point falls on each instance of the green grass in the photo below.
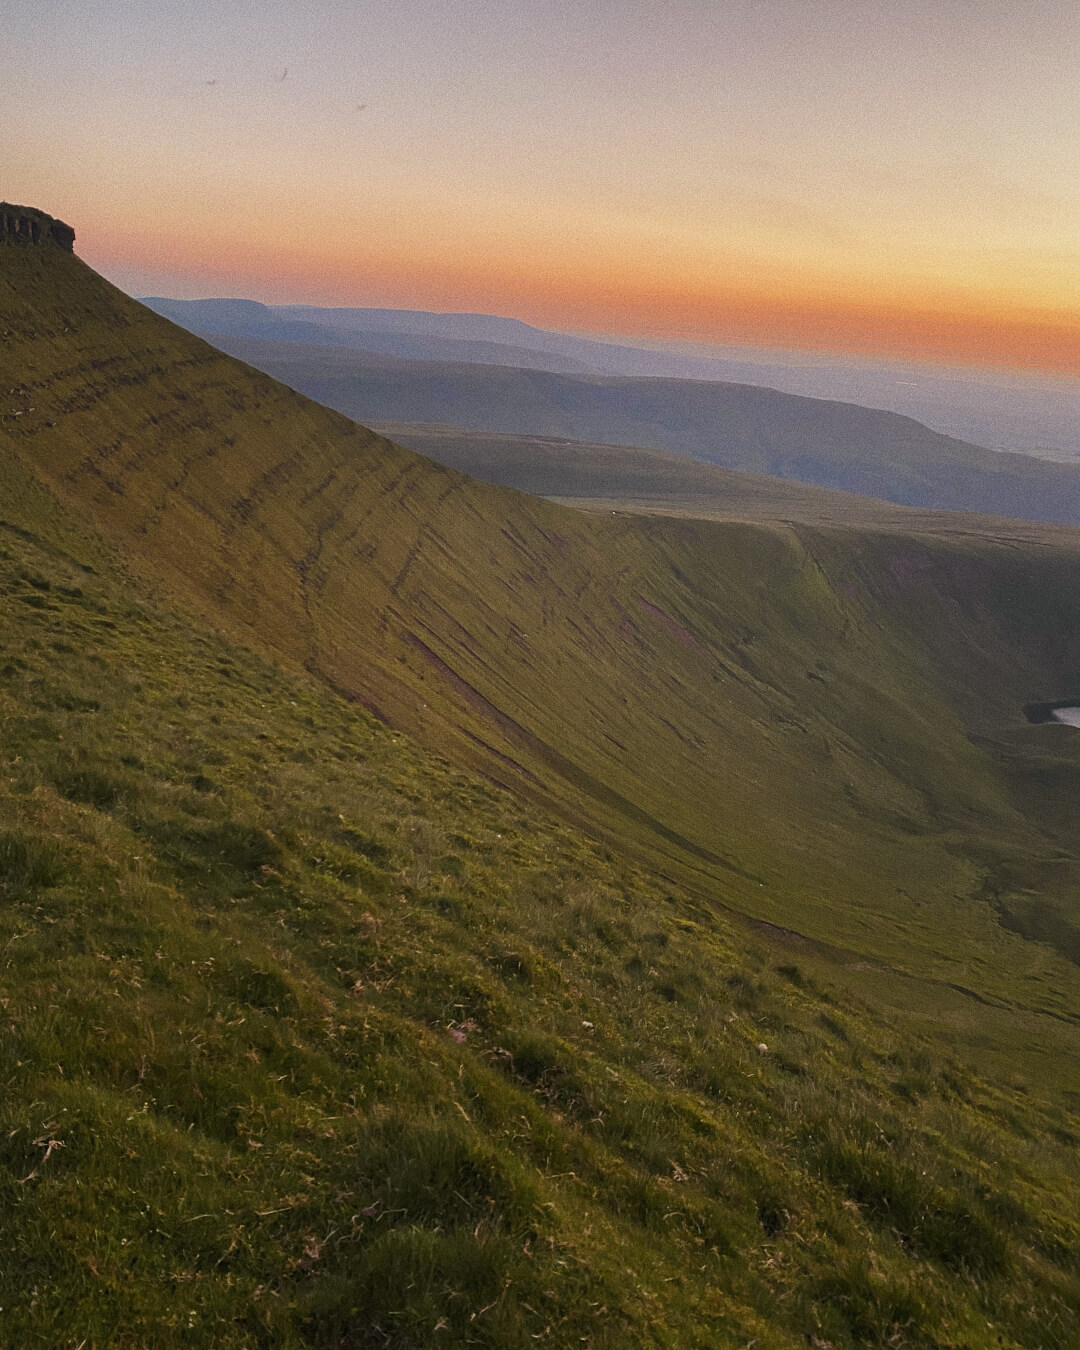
(815, 726)
(313, 1039)
(441, 1025)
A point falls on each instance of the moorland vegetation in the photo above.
(432, 915)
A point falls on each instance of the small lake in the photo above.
(1066, 711)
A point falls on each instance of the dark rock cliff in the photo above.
(24, 225)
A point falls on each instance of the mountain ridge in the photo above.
(249, 318)
(24, 225)
(822, 442)
(1023, 412)
(620, 478)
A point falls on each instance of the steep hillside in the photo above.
(321, 1037)
(313, 1040)
(785, 720)
(808, 440)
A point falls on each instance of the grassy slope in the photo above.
(242, 915)
(832, 444)
(311, 1039)
(819, 729)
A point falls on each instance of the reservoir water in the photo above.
(1064, 710)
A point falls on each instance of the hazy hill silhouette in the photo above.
(818, 441)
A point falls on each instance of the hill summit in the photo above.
(24, 225)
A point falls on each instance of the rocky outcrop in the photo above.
(24, 225)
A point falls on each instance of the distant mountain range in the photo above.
(1025, 412)
(474, 338)
(619, 479)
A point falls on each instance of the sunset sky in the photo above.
(882, 176)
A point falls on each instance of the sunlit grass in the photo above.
(312, 1039)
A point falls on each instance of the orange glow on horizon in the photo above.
(893, 179)
(919, 322)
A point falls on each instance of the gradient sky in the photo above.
(883, 176)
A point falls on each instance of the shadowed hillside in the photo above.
(311, 1039)
(807, 440)
(660, 482)
(728, 747)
